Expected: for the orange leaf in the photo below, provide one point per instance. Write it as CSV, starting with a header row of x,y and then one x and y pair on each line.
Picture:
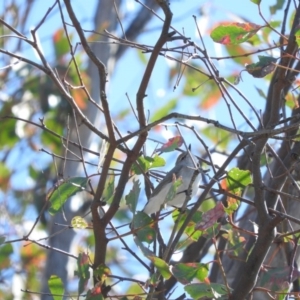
x,y
211,99
224,184
80,98
58,35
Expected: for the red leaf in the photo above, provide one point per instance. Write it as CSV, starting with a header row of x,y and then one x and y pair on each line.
x,y
58,35
225,40
83,259
96,291
172,144
210,217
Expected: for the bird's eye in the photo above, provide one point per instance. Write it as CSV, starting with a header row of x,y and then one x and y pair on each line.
x,y
182,157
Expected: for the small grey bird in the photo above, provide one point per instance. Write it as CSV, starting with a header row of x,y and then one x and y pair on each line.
x,y
184,168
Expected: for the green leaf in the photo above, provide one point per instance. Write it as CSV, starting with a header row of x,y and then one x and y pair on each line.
x,y
200,290
146,163
192,81
190,228
207,205
4,177
34,173
237,179
196,80
144,227
163,111
256,1
279,5
133,289
154,279
101,272
109,189
190,231
82,271
161,266
123,113
236,242
8,137
186,272
65,191
142,166
5,251
48,139
157,162
79,222
263,67
297,36
220,138
232,205
176,183
212,232
56,287
275,278
133,196
234,33
179,217
61,44
142,57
